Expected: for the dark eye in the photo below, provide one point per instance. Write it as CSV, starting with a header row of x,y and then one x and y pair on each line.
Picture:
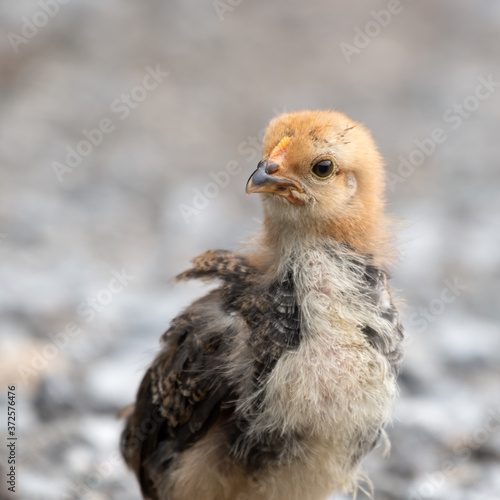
x,y
323,169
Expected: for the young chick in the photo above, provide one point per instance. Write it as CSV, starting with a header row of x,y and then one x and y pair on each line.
x,y
277,383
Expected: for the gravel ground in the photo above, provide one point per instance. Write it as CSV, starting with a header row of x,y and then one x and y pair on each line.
x,y
75,215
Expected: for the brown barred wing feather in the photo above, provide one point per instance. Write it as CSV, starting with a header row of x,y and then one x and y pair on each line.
x,y
180,396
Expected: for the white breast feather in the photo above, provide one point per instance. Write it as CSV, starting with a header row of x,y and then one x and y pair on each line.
x,y
335,388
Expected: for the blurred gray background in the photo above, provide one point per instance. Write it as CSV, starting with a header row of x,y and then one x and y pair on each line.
x,y
90,234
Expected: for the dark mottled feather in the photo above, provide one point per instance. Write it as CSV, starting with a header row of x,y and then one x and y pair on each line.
x,y
179,398
390,345
185,386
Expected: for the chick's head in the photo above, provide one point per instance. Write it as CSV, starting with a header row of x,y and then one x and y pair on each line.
x,y
321,172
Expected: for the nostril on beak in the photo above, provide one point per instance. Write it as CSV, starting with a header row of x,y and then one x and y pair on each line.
x,y
271,168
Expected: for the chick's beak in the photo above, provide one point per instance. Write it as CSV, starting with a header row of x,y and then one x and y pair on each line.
x,y
263,180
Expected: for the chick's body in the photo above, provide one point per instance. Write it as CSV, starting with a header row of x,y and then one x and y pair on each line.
x,y
277,383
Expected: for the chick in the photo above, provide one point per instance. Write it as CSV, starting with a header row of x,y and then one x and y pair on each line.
x,y
277,383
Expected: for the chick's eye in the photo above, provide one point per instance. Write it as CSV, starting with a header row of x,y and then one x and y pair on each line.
x,y
323,169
